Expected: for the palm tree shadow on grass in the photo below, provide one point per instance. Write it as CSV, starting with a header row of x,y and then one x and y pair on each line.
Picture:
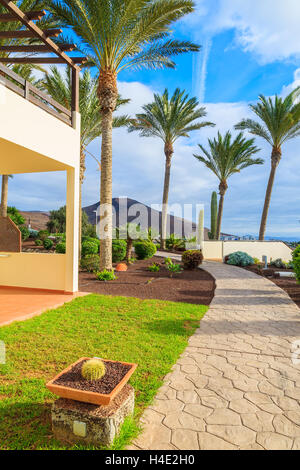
x,y
172,327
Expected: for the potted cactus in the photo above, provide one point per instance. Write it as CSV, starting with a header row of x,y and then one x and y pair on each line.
x,y
92,380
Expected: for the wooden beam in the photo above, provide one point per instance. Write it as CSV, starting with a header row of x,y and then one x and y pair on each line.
x,y
31,15
40,60
36,48
38,33
29,34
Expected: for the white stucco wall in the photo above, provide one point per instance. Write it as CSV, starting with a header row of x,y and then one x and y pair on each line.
x,y
256,249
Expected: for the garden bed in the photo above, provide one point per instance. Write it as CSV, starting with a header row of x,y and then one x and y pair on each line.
x,y
289,285
194,287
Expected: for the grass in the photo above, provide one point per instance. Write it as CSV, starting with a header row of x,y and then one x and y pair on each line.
x,y
151,333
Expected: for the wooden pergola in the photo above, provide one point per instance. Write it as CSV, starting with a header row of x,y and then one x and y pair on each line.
x,y
46,45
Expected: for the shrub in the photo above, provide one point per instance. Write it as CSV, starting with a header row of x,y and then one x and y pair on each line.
x,y
173,268
90,263
91,239
118,250
61,248
106,275
15,216
38,242
43,234
154,268
144,249
296,252
92,370
256,261
48,244
279,263
175,243
240,258
33,233
24,232
89,248
297,268
192,259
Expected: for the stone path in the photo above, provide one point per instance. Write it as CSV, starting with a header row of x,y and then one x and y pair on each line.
x,y
235,385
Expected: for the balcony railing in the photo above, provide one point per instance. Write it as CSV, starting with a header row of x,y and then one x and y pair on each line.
x,y
28,91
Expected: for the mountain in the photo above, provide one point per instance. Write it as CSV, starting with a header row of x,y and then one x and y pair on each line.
x,y
36,219
150,217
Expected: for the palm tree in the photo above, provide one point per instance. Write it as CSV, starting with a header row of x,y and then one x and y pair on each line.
x,y
280,122
225,158
117,35
168,119
59,87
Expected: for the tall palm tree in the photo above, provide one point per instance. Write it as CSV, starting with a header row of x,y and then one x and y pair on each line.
x,y
59,87
169,118
119,35
280,122
225,158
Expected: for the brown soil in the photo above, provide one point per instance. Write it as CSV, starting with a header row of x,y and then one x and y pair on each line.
x,y
115,371
290,286
195,287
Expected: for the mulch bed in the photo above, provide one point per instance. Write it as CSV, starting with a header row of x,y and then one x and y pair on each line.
x,y
194,287
289,285
115,371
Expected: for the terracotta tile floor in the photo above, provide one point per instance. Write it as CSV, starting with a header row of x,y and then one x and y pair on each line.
x,y
19,303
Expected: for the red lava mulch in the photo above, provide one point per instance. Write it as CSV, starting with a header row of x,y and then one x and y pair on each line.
x,y
289,285
194,287
115,371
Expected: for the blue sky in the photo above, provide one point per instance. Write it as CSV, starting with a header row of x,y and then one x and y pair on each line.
x,y
249,47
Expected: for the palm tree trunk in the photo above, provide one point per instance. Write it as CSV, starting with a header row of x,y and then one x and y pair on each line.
x,y
223,188
275,159
4,196
108,94
129,249
168,153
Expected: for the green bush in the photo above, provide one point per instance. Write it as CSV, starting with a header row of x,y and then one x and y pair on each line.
x,y
144,249
173,268
61,248
175,243
43,234
33,233
89,248
296,252
106,275
91,239
48,244
279,263
192,259
297,268
15,216
239,258
118,250
154,268
24,232
90,263
38,242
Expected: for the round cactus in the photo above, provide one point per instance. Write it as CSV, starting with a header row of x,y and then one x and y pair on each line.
x,y
93,369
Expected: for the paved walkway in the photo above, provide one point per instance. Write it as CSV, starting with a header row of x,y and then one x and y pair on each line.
x,y
235,386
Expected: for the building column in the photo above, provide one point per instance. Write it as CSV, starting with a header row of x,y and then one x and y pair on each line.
x,y
72,230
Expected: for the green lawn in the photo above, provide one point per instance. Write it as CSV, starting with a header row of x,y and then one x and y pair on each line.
x,y
151,333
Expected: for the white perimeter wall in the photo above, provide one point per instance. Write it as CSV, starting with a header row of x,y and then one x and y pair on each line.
x,y
256,249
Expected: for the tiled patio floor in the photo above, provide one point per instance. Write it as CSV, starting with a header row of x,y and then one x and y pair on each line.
x,y
19,304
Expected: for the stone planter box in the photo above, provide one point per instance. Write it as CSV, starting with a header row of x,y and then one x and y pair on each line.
x,y
75,422
86,396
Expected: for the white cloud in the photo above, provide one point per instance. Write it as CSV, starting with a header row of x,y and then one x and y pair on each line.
x,y
267,28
